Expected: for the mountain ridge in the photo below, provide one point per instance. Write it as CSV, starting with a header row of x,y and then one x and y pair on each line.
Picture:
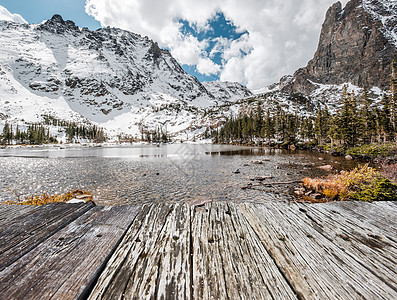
x,y
357,45
126,84
107,76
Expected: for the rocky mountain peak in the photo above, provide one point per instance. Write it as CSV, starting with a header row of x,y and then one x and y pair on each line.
x,y
57,19
357,45
58,25
333,13
118,79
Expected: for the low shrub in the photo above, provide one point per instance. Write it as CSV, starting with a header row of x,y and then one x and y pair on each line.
x,y
382,189
372,150
362,183
337,149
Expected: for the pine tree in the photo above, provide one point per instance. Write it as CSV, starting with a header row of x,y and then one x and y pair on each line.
x,y
291,129
279,124
393,96
334,132
367,119
18,135
306,130
321,125
386,128
7,134
258,123
349,121
268,127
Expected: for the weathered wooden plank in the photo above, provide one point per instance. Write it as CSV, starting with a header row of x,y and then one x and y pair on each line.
x,y
314,265
363,241
9,212
380,214
27,231
209,275
229,261
174,280
272,277
369,219
66,265
152,261
219,250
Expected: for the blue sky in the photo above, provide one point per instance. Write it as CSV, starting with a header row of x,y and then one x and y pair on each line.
x,y
253,42
35,11
219,28
38,10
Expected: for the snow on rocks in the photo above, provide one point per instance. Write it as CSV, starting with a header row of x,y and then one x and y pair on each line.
x,y
113,78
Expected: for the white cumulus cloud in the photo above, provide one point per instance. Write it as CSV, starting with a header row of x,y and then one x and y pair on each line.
x,y
5,15
280,37
207,67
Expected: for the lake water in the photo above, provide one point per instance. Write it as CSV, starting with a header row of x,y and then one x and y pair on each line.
x,y
165,173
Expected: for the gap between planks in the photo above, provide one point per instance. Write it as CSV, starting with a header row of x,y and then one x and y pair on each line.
x,y
66,264
246,251
219,250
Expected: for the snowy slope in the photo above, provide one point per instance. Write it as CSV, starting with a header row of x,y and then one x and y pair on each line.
x,y
227,91
117,79
384,11
305,93
323,95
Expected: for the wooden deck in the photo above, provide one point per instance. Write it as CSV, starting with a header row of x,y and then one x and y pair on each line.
x,y
221,250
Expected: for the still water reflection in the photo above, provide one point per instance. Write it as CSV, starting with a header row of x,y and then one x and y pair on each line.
x,y
165,173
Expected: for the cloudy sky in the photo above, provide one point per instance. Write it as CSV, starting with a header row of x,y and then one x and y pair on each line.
x,y
254,42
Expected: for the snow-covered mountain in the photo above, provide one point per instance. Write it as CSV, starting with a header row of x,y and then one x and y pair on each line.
x,y
357,46
227,91
125,83
117,79
384,11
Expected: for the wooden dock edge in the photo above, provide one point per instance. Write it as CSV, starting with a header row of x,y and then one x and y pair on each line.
x,y
223,250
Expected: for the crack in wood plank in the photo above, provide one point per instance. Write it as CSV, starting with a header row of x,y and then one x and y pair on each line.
x,y
220,250
27,231
51,270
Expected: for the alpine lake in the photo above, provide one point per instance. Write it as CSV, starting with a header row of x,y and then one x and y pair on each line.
x,y
136,174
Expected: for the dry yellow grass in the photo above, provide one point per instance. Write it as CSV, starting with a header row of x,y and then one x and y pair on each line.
x,y
46,198
342,186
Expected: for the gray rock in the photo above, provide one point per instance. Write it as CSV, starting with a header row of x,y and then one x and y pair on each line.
x,y
353,47
326,167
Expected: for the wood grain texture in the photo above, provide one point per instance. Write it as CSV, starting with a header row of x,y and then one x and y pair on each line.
x,y
229,261
381,214
366,243
215,250
179,252
314,264
152,261
25,232
66,265
9,212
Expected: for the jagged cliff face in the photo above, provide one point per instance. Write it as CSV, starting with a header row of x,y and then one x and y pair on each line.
x,y
357,45
116,78
106,70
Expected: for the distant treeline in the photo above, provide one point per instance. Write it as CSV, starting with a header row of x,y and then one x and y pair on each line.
x,y
39,133
357,122
157,135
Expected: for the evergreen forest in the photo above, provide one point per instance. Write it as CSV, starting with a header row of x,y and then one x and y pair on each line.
x,y
39,133
358,121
